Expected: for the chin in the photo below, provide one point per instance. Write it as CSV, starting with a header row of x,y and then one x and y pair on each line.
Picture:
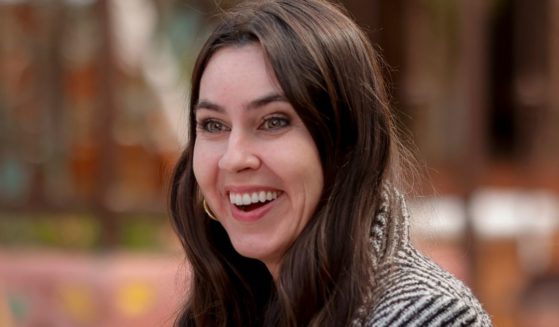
x,y
249,252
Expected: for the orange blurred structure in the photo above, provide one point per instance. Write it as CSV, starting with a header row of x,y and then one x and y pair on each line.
x,y
92,102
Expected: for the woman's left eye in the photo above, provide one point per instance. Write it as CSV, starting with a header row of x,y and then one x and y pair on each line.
x,y
274,123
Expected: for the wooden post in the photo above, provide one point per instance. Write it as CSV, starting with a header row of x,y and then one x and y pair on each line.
x,y
472,74
106,112
553,85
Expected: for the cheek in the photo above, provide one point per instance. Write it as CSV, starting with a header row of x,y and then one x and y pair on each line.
x,y
298,164
315,178
202,166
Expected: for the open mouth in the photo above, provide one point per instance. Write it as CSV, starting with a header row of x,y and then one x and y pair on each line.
x,y
252,201
251,207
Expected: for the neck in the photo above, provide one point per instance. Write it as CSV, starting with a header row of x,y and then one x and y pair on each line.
x,y
273,268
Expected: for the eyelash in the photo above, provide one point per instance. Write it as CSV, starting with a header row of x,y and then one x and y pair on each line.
x,y
213,126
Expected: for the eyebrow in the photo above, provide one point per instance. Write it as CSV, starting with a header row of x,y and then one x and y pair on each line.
x,y
254,104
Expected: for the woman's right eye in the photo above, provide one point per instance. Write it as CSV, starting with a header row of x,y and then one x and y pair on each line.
x,y
212,126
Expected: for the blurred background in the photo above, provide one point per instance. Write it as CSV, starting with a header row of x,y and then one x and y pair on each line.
x,y
92,118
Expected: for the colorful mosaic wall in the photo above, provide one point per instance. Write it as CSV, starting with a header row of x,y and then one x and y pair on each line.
x,y
53,289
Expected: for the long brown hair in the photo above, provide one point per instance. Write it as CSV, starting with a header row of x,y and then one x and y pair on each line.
x,y
332,77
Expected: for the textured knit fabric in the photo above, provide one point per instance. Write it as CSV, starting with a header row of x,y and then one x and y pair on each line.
x,y
410,290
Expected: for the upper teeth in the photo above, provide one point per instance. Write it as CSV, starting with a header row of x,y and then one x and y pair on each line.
x,y
241,199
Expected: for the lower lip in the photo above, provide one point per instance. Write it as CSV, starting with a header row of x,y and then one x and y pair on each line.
x,y
253,215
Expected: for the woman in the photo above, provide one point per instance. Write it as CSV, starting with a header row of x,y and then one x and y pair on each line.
x,y
283,199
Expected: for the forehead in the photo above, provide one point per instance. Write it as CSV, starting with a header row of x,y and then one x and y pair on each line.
x,y
238,72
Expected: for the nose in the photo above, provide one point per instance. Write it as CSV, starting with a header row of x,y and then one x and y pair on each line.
x,y
239,154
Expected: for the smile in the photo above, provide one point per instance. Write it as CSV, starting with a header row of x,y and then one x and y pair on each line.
x,y
252,200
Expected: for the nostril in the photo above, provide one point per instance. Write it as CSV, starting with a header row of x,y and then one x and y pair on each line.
x,y
239,159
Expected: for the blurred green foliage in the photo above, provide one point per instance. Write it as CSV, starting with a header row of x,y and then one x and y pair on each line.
x,y
143,233
81,231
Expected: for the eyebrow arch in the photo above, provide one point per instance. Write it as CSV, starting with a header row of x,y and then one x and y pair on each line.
x,y
254,104
267,99
205,104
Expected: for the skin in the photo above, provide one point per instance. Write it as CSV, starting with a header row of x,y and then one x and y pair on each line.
x,y
249,139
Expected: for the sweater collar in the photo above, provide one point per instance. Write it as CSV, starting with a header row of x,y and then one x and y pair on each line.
x,y
390,229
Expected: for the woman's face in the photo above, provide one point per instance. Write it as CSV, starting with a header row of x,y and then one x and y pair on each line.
x,y
254,160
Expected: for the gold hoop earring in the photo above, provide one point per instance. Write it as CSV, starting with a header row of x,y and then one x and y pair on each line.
x,y
208,211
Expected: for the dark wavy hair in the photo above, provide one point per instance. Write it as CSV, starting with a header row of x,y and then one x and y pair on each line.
x,y
331,75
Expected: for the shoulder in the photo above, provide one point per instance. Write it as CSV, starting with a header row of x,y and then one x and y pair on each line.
x,y
414,291
409,289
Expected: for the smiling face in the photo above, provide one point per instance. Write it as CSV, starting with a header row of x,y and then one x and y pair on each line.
x,y
254,160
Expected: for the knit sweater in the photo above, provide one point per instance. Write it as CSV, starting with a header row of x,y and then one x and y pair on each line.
x,y
411,290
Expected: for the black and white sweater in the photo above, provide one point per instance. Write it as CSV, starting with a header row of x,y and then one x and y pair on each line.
x,y
410,289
